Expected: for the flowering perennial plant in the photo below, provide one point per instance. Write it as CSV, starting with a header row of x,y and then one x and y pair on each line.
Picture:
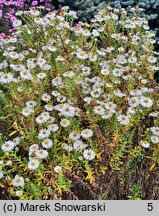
x,y
82,102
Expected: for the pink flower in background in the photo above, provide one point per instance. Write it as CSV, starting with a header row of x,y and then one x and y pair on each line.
x,y
12,11
48,8
7,3
7,16
9,7
34,3
2,35
1,13
12,18
78,26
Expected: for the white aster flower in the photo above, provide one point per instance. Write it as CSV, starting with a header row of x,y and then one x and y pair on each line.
x,y
41,119
53,127
155,139
108,114
42,154
57,81
122,59
74,135
64,123
69,74
117,72
60,58
78,145
17,23
41,61
27,111
47,143
34,12
8,146
89,154
134,101
86,133
151,59
155,130
41,75
58,169
55,93
146,102
33,164
145,144
18,181
34,147
26,75
16,140
86,70
123,119
43,133
95,33
61,98
52,48
154,114
31,104
110,106
49,107
99,110
92,58
19,13
6,78
38,20
19,193
51,120
105,71
68,111
136,92
46,97
132,59
131,111
82,55
95,93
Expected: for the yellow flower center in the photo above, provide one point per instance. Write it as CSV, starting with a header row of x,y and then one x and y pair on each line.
x,y
7,145
17,180
6,77
25,73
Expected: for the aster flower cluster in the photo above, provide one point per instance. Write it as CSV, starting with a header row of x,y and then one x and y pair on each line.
x,y
8,10
77,92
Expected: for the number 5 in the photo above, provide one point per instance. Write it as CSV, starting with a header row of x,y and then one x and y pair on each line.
x,y
150,206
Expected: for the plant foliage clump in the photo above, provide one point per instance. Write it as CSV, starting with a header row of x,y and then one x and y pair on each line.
x,y
82,107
